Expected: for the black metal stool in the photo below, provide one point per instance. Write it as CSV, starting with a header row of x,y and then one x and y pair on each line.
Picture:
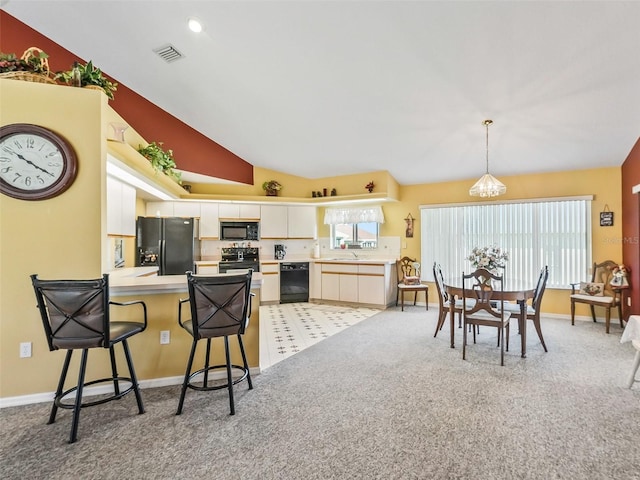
x,y
220,307
75,315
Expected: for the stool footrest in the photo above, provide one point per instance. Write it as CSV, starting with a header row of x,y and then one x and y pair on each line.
x,y
206,388
59,400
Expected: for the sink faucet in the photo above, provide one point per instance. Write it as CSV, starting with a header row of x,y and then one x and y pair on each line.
x,y
354,254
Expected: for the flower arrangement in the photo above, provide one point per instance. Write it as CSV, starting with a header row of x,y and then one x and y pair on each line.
x,y
272,187
369,186
490,258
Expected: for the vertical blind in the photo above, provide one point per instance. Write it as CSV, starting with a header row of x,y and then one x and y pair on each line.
x,y
552,232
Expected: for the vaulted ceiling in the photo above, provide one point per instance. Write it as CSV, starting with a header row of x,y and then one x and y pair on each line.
x,y
321,88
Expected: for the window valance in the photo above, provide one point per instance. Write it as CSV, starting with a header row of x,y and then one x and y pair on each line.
x,y
339,216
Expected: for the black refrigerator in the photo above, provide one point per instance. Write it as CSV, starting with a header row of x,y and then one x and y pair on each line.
x,y
165,242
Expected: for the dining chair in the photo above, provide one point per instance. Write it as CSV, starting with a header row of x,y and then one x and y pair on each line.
x,y
76,316
483,304
409,281
444,300
532,311
220,306
598,293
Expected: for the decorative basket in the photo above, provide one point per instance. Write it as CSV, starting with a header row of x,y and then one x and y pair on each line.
x,y
27,56
28,77
94,87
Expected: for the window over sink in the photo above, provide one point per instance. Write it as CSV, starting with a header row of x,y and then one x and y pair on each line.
x,y
354,228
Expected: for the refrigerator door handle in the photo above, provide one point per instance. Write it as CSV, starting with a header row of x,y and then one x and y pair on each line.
x,y
161,263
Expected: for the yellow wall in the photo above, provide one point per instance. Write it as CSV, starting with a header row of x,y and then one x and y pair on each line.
x,y
56,238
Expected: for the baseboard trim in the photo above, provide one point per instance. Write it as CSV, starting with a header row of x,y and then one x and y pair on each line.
x,y
46,397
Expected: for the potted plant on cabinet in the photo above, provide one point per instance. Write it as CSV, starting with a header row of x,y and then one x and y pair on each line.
x,y
161,160
272,187
89,76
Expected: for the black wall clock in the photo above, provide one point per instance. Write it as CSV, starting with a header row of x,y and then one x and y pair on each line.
x,y
35,162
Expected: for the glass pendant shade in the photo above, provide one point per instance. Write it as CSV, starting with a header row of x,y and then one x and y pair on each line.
x,y
488,185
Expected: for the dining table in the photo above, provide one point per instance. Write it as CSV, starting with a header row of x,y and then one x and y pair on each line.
x,y
514,290
631,334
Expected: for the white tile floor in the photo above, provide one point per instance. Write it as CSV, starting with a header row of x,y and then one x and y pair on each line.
x,y
289,328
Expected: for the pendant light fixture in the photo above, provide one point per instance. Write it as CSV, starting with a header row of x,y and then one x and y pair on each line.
x,y
488,185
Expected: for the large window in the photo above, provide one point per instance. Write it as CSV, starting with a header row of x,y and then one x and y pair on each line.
x,y
553,232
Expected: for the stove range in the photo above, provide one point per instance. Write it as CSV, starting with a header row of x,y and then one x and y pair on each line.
x,y
236,258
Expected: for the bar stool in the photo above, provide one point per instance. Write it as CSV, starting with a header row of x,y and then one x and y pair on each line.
x,y
220,307
75,315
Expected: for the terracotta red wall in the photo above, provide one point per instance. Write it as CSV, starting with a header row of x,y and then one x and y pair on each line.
x,y
631,223
192,150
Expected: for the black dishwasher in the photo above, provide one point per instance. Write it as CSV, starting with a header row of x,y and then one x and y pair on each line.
x,y
294,282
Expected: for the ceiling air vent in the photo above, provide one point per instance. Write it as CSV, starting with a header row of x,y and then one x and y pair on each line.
x,y
168,53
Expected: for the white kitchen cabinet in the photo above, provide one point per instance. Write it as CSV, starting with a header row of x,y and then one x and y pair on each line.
x,y
273,221
186,209
315,281
245,211
121,208
159,209
340,282
209,220
301,221
270,291
355,282
371,284
207,268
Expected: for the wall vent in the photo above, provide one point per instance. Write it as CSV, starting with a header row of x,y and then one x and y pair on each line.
x,y
168,53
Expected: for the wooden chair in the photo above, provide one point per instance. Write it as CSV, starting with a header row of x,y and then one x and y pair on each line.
x,y
409,280
481,291
598,293
443,300
533,310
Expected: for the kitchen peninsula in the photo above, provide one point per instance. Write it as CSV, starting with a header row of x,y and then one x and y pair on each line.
x,y
163,364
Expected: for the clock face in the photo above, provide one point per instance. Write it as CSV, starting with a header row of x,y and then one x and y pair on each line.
x,y
35,163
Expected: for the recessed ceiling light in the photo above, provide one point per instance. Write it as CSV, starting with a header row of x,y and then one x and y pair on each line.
x,y
194,25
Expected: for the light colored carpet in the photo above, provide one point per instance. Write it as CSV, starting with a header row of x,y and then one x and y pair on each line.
x,y
382,399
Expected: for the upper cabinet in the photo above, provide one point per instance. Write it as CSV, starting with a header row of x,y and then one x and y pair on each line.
x,y
209,223
121,208
245,211
273,221
301,221
159,209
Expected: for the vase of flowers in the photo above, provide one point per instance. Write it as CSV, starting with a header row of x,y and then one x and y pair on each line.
x,y
490,258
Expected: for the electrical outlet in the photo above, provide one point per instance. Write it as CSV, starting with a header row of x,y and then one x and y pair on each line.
x,y
165,337
628,301
25,350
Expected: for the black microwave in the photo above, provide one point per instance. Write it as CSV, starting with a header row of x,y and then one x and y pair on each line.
x,y
239,231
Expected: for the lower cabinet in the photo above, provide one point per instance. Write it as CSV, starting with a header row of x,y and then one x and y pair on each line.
x,y
207,269
356,283
270,291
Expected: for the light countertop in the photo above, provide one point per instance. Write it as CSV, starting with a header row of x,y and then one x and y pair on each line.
x,y
138,285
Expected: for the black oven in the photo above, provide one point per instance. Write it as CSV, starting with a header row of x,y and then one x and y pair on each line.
x,y
239,258
294,282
